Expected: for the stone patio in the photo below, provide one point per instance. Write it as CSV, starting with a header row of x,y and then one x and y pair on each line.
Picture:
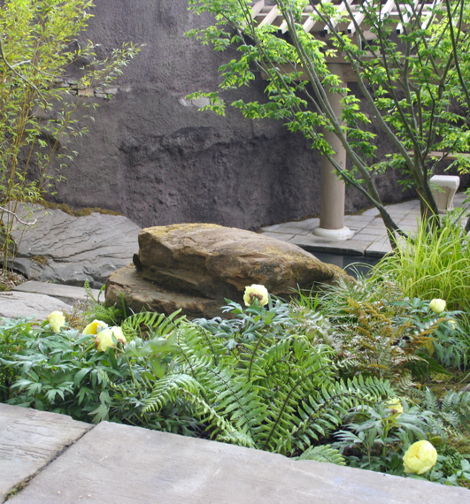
x,y
370,237
47,458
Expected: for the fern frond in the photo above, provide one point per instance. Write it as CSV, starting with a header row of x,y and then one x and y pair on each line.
x,y
148,325
233,396
223,430
169,389
323,453
324,412
304,380
453,409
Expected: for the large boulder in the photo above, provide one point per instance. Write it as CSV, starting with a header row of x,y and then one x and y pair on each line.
x,y
197,267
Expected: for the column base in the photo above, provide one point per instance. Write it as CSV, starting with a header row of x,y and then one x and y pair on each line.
x,y
334,234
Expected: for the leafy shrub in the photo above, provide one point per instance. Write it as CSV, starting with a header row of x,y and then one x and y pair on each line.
x,y
63,373
378,436
284,378
377,331
40,112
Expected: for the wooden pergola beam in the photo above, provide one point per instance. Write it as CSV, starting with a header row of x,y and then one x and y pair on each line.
x,y
270,14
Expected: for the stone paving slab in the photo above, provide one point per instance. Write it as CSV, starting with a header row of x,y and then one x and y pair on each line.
x,y
379,249
311,240
67,293
29,440
295,230
370,236
282,236
118,464
23,304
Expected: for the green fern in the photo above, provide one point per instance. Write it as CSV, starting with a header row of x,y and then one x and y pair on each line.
x,y
453,409
112,315
148,325
323,453
382,340
274,394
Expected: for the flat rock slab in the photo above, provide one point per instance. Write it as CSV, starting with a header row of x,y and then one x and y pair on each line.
x,y
118,464
22,304
29,440
66,293
71,249
141,295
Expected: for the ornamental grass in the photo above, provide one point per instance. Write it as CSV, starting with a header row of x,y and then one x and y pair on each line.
x,y
431,265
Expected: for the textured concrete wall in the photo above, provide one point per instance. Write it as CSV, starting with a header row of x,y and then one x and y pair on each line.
x,y
155,158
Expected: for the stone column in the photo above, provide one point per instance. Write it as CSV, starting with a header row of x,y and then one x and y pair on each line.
x,y
333,188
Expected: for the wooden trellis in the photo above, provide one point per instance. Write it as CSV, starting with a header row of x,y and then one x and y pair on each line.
x,y
270,14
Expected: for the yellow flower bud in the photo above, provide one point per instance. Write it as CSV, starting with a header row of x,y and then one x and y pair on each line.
x,y
254,292
420,457
437,305
93,327
453,324
104,339
395,405
56,320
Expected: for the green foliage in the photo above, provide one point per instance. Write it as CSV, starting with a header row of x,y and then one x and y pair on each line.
x,y
95,310
265,378
377,332
453,471
411,77
270,391
379,345
453,409
375,440
431,265
449,346
322,453
379,437
147,325
279,319
454,468
38,119
63,373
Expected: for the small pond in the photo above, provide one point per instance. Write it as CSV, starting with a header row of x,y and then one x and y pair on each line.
x,y
349,262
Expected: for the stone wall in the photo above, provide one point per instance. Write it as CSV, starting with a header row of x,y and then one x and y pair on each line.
x,y
152,156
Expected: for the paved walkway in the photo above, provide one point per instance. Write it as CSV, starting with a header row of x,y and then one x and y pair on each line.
x,y
370,238
47,458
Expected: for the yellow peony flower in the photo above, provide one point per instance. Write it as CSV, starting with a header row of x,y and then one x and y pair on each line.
x,y
104,339
93,327
56,320
258,292
420,457
437,305
453,324
395,405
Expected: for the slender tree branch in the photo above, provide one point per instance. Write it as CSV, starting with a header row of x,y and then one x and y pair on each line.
x,y
15,215
21,76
